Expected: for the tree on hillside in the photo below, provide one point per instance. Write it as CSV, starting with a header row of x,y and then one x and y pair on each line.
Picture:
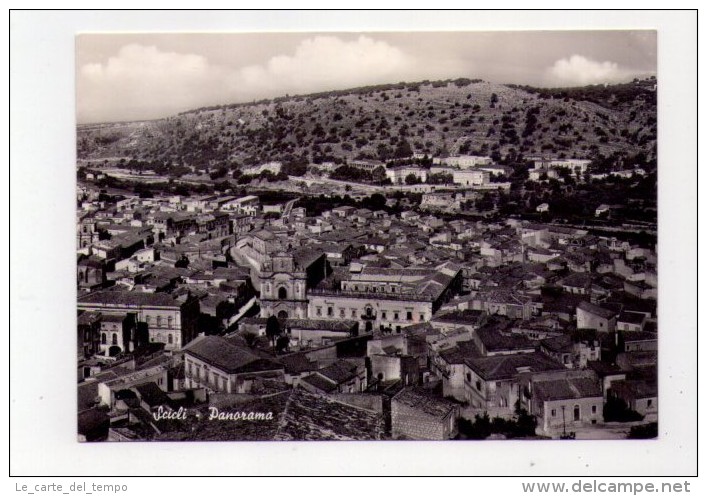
x,y
383,152
374,202
412,179
403,149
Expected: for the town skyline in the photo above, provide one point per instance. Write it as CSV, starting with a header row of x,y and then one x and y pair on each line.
x,y
444,260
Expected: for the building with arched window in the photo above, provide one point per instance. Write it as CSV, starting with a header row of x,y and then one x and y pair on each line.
x,y
284,280
385,298
214,363
156,317
563,402
116,332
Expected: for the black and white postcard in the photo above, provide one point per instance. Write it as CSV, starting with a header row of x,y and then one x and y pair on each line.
x,y
461,246
424,236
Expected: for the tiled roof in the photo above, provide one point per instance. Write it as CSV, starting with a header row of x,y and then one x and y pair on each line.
x,y
297,363
504,367
151,394
128,298
223,355
88,318
638,388
495,341
424,401
631,317
558,343
568,388
320,383
463,350
339,372
596,310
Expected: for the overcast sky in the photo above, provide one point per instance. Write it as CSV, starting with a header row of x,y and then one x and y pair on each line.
x,y
145,76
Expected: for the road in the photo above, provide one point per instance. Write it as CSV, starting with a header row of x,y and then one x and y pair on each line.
x,y
610,430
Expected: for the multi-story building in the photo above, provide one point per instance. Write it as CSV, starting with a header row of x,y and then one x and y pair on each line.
x,y
214,363
88,327
471,177
249,205
158,317
283,281
463,161
398,175
417,414
387,298
87,233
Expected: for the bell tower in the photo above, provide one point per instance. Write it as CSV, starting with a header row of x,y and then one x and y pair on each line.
x,y
283,288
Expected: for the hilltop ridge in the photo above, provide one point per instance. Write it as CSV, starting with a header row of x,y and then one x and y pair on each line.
x,y
461,116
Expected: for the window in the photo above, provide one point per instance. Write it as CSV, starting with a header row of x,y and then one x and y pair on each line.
x,y
478,385
103,338
468,377
594,409
422,317
409,315
330,311
170,338
319,311
159,321
342,313
282,293
383,315
576,413
649,403
115,339
353,313
396,316
553,412
148,319
169,321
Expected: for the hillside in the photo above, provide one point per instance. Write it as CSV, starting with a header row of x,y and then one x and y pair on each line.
x,y
457,117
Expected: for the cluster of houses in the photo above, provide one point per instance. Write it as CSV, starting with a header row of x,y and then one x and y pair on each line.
x,y
402,323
